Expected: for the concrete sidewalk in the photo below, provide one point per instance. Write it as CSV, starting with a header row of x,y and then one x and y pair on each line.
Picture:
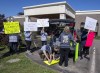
x,y
81,66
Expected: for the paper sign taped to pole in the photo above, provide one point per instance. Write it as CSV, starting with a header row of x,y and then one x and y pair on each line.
x,y
90,23
11,27
43,22
30,26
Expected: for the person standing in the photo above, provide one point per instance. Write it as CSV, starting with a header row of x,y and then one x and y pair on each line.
x,y
28,40
65,38
13,43
83,42
88,44
44,37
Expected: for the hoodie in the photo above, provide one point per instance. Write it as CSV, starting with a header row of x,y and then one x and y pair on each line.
x,y
65,39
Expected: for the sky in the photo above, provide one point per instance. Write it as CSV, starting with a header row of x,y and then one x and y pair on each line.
x,y
13,7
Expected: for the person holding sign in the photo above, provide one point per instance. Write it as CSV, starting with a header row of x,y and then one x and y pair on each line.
x,y
28,40
12,28
13,42
65,38
90,26
88,44
43,37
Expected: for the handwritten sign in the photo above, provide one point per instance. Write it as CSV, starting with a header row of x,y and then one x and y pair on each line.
x,y
43,22
90,23
11,27
30,26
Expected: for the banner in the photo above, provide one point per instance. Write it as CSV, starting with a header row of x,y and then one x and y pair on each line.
x,y
76,51
30,26
90,23
43,22
11,27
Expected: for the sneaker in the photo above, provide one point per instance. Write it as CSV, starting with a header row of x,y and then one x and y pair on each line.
x,y
87,57
65,67
60,67
27,51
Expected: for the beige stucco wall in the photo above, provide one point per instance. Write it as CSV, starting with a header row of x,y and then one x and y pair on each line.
x,y
81,18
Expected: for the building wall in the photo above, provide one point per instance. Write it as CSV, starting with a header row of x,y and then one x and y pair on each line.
x,y
81,18
21,20
50,8
45,10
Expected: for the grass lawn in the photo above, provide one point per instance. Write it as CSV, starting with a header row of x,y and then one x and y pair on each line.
x,y
24,65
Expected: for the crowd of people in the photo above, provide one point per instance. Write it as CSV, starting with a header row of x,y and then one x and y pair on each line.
x,y
61,49
58,48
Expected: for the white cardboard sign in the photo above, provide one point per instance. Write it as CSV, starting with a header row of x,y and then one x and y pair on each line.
x,y
30,26
43,22
90,23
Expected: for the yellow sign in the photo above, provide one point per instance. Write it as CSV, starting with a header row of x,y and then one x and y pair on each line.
x,y
11,27
52,62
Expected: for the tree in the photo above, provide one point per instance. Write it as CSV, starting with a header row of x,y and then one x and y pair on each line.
x,y
2,19
3,37
20,13
2,16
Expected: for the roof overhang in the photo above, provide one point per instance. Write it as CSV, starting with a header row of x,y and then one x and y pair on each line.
x,y
88,12
50,8
19,16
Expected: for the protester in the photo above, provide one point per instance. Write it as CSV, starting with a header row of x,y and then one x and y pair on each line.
x,y
28,40
46,53
13,43
20,40
88,44
52,40
43,37
35,41
56,52
65,38
83,42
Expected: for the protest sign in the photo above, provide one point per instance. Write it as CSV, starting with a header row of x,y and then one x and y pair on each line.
x,y
76,51
11,27
30,26
90,23
43,22
52,62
